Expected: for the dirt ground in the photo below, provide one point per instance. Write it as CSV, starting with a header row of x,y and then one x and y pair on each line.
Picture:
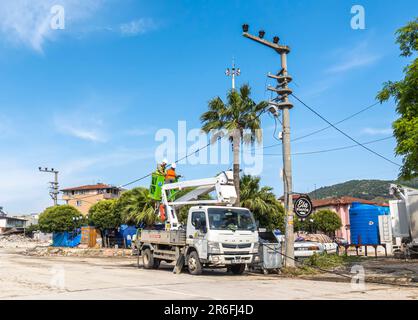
x,y
71,277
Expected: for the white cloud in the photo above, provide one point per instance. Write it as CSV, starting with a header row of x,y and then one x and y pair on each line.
x,y
100,162
82,133
27,22
355,57
377,131
82,126
139,26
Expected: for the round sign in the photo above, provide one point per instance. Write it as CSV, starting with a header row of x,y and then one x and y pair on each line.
x,y
303,206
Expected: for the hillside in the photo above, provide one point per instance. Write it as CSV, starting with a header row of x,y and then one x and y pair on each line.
x,y
376,190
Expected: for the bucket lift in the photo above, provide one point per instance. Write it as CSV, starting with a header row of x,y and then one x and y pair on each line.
x,y
222,185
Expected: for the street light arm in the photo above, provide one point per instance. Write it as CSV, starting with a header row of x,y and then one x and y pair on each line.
x,y
277,47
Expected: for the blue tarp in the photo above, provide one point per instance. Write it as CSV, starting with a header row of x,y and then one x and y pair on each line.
x,y
66,239
127,233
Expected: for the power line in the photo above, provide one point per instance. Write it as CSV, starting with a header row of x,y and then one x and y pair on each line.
x,y
329,150
341,274
185,157
345,119
345,134
149,174
325,128
275,129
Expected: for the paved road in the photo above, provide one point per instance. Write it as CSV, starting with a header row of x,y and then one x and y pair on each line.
x,y
25,277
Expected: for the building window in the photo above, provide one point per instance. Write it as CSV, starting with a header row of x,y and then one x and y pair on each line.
x,y
79,203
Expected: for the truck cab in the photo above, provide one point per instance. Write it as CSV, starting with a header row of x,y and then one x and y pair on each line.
x,y
221,236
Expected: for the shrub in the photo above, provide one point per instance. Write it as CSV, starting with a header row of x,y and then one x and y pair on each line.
x,y
59,219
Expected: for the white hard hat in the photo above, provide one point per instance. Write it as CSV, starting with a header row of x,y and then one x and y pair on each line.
x,y
173,165
165,160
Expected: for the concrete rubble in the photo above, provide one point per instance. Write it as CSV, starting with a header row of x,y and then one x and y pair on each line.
x,y
81,252
19,241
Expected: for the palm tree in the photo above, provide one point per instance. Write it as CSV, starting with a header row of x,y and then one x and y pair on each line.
x,y
136,206
238,115
262,203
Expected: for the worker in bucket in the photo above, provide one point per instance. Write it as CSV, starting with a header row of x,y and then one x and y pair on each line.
x,y
161,167
171,175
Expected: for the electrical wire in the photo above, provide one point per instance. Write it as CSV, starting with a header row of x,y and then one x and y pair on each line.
x,y
345,134
338,122
337,273
327,150
149,174
275,129
325,128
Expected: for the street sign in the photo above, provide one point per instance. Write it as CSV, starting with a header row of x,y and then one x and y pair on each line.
x,y
303,206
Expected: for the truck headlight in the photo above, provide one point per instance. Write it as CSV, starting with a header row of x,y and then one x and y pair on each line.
x,y
256,247
213,247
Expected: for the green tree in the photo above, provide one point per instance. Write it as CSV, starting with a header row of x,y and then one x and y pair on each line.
x,y
104,215
60,218
136,206
326,221
239,115
262,202
306,224
405,94
31,229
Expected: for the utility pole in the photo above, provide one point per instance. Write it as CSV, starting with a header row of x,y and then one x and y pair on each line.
x,y
233,73
282,103
54,184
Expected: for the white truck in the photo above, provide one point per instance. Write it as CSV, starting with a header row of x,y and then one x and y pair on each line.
x,y
404,213
216,235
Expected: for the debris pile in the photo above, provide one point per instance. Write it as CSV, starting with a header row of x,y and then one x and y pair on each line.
x,y
13,241
80,252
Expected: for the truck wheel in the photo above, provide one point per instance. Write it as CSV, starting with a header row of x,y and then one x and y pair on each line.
x,y
147,259
193,263
237,268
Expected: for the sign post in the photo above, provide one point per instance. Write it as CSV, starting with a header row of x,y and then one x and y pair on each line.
x,y
303,206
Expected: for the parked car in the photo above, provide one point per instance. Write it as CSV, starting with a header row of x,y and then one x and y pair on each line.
x,y
307,245
341,241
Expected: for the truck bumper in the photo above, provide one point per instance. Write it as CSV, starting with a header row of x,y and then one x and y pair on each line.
x,y
220,259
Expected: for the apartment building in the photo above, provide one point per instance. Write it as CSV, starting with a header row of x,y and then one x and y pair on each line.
x,y
83,197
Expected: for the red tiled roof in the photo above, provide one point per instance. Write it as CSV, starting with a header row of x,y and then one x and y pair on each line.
x,y
98,186
317,203
338,201
295,196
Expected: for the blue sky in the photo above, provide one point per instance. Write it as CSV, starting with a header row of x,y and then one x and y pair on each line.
x,y
89,99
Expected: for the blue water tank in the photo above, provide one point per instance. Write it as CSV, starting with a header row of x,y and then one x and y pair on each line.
x,y
364,223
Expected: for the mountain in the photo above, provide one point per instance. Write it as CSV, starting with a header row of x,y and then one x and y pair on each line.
x,y
376,190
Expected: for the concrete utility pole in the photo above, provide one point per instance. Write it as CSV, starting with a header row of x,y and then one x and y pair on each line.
x,y
54,184
281,102
233,73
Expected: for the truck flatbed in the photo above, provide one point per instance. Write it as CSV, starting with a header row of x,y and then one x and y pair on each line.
x,y
172,237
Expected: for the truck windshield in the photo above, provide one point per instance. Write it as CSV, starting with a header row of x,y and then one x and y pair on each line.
x,y
230,219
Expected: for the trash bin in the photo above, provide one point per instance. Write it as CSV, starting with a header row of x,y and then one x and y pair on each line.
x,y
269,252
